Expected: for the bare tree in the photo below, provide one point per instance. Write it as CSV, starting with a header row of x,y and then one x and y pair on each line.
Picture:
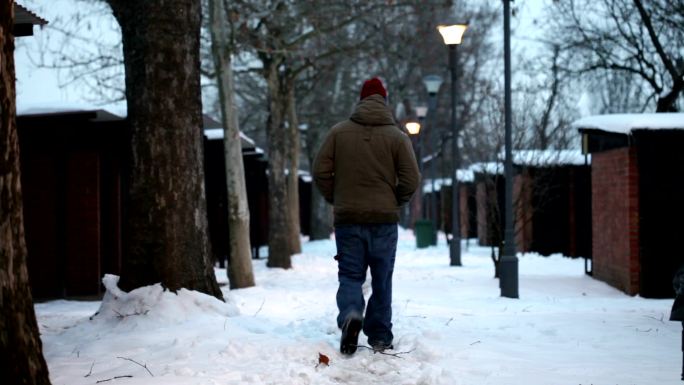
x,y
642,39
240,272
543,102
166,238
281,35
85,50
21,356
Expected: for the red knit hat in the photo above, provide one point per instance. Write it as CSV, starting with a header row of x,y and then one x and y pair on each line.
x,y
371,87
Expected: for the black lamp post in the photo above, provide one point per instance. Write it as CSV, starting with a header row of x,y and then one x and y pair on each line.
x,y
508,264
432,85
452,35
413,129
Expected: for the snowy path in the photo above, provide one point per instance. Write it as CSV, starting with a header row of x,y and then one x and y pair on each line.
x,y
565,329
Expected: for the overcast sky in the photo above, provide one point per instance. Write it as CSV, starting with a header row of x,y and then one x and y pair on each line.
x,y
40,88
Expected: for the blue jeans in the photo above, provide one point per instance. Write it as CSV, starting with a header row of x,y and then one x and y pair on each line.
x,y
360,247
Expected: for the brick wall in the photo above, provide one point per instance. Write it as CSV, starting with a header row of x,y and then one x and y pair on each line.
x,y
615,210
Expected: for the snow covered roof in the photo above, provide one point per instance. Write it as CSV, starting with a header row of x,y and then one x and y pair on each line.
x,y
626,123
464,176
90,113
247,142
492,168
63,107
541,158
213,130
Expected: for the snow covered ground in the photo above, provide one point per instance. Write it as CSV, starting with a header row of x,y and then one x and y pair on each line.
x,y
451,327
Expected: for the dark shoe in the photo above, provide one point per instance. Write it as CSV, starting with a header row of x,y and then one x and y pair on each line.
x,y
379,347
350,334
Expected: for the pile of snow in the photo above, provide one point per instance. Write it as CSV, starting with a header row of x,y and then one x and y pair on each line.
x,y
451,326
157,305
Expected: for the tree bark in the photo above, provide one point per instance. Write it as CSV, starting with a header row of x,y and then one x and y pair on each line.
x,y
166,238
21,352
279,245
240,274
293,176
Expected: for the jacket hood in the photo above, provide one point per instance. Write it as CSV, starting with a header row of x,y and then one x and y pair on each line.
x,y
372,111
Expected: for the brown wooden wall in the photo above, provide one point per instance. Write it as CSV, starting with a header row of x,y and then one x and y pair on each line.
x,y
71,168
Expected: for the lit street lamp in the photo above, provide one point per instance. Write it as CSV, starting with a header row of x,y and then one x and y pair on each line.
x,y
508,264
432,85
413,128
452,35
416,210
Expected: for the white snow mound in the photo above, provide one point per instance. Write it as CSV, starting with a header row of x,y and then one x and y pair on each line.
x,y
157,305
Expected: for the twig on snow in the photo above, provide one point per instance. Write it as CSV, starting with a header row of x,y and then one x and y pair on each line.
x,y
91,370
260,307
122,316
138,363
449,321
475,343
114,378
387,354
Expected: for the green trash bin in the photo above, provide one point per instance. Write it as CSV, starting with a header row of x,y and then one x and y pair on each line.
x,y
425,233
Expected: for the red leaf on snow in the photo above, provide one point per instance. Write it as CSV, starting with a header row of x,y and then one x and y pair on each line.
x,y
323,359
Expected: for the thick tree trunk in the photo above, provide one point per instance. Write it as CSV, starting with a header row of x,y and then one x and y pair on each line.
x,y
279,245
166,238
21,355
240,274
293,178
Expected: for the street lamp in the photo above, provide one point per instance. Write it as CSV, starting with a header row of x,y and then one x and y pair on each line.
x,y
432,85
413,128
508,264
416,210
452,35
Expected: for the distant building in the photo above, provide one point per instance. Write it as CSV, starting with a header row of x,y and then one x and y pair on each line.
x,y
552,200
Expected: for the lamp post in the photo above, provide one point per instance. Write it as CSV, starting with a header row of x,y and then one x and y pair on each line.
x,y
421,112
452,35
432,85
413,129
508,264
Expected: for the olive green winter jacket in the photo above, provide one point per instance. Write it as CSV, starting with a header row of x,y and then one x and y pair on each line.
x,y
366,166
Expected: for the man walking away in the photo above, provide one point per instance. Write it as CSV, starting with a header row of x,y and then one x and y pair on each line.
x,y
366,169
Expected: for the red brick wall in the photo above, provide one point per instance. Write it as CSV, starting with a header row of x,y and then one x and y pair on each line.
x,y
615,210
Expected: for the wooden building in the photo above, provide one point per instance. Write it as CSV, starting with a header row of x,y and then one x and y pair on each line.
x,y
256,165
72,176
552,200
217,194
468,204
73,166
637,185
24,20
489,196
